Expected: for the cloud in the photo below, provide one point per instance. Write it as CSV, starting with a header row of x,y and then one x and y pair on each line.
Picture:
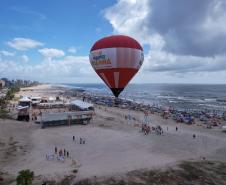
x,y
25,58
24,44
51,52
7,53
129,17
67,69
72,50
168,62
183,36
190,27
26,10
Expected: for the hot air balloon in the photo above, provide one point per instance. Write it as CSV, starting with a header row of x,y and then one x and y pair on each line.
x,y
116,59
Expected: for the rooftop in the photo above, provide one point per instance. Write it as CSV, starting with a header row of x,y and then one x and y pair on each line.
x,y
81,104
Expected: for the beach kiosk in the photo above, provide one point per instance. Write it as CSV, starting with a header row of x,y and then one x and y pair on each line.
x,y
24,101
23,109
35,100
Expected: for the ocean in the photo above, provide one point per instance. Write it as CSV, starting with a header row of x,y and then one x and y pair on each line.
x,y
178,96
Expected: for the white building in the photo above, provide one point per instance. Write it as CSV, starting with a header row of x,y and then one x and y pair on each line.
x,y
2,84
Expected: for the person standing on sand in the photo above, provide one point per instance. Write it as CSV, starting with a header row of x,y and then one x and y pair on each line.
x,y
55,150
64,152
67,154
176,129
60,152
73,138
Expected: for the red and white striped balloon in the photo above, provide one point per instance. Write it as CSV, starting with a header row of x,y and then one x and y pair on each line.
x,y
116,59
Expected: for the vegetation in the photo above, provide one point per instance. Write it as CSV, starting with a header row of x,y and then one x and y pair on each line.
x,y
9,96
25,177
3,102
187,173
4,114
13,87
11,92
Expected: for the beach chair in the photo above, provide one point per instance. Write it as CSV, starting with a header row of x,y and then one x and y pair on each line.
x,y
62,159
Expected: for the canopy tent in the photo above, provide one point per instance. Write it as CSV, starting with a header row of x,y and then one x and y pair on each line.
x,y
82,105
22,107
25,99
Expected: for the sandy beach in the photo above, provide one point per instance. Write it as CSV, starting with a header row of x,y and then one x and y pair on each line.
x,y
113,145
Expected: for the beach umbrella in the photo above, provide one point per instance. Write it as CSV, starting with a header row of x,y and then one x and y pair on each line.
x,y
116,59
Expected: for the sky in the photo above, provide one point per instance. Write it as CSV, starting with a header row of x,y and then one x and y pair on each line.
x,y
50,40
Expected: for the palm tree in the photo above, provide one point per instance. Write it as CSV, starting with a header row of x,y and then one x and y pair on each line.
x,y
25,177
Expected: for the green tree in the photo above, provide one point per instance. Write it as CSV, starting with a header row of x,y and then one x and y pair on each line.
x,y
3,103
25,177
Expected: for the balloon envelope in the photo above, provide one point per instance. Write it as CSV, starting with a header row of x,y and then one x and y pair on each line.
x,y
116,59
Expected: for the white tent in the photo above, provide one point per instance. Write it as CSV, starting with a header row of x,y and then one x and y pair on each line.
x,y
82,105
25,99
51,99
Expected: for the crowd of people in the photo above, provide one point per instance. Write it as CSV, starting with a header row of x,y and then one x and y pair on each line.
x,y
59,154
188,116
146,129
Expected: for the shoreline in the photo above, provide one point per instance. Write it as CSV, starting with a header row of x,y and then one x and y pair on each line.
x,y
210,117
